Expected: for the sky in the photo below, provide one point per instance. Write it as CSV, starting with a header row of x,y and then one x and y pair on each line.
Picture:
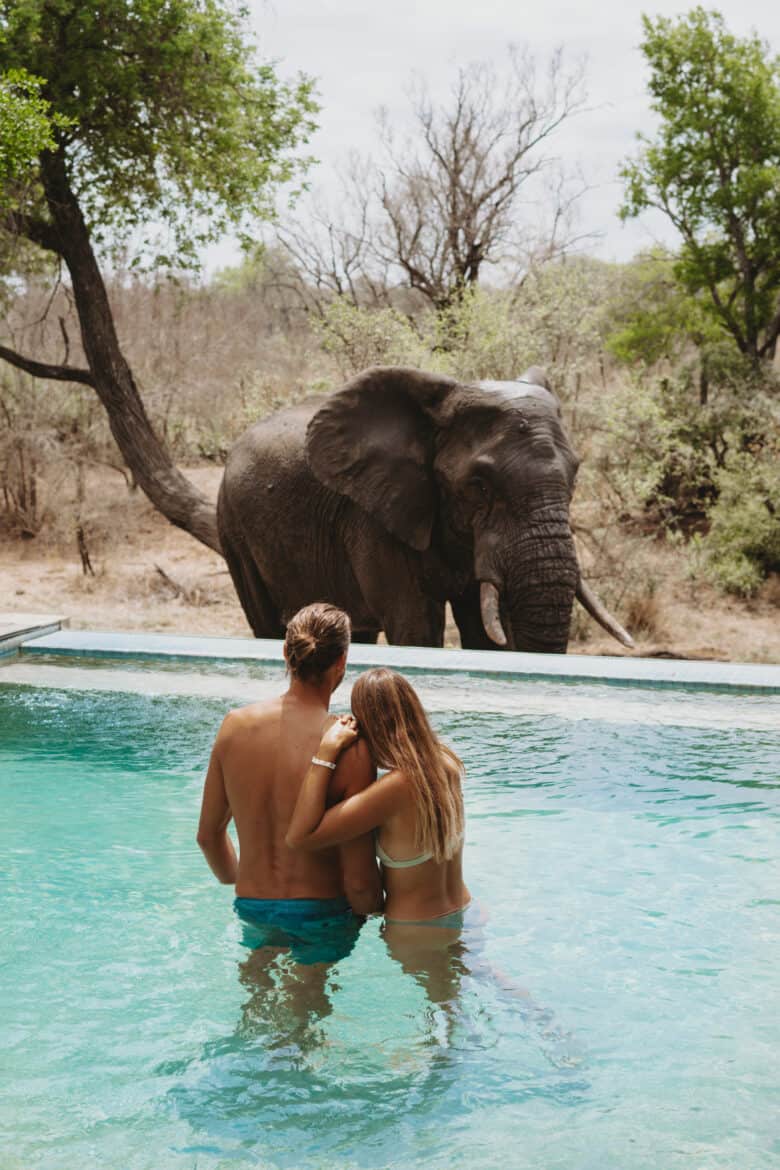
x,y
363,55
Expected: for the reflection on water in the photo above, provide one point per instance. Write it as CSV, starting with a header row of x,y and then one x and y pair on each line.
x,y
621,992
508,697
287,1000
441,1031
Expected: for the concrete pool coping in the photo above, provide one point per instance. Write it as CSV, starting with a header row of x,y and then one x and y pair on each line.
x,y
17,628
632,671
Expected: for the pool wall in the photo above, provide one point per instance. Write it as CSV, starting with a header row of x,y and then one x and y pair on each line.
x,y
50,639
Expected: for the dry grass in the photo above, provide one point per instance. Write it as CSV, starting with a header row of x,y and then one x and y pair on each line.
x,y
769,593
642,612
127,540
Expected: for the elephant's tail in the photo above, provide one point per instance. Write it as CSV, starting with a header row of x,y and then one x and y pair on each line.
x,y
261,613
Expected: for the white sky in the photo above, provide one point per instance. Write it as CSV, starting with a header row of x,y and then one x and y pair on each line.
x,y
363,53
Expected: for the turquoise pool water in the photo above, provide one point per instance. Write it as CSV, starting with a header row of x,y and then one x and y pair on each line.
x,y
618,1007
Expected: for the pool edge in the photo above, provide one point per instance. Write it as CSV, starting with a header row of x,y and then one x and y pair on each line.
x,y
632,671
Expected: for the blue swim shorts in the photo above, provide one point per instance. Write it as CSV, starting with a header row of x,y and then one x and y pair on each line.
x,y
316,930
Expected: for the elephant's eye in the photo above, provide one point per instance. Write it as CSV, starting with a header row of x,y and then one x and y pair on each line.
x,y
479,487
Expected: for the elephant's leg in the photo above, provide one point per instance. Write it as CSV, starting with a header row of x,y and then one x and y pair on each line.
x,y
369,636
415,620
468,619
389,577
261,613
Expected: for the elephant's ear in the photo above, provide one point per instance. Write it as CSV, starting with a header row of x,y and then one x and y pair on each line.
x,y
373,442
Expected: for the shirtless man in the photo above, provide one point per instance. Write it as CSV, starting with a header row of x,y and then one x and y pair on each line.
x,y
306,902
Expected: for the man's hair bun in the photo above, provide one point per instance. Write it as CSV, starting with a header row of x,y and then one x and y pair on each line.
x,y
316,637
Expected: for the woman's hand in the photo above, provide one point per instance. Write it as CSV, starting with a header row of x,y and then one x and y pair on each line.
x,y
339,735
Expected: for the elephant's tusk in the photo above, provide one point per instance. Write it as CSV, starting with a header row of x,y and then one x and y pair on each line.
x,y
489,607
587,598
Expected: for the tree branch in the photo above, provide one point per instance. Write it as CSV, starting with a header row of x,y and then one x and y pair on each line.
x,y
767,350
33,228
43,370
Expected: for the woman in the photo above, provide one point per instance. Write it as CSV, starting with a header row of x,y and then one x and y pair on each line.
x,y
416,813
415,809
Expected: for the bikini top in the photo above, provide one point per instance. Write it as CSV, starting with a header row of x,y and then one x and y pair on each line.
x,y
389,863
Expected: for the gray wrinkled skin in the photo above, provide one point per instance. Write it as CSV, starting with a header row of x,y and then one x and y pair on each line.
x,y
403,491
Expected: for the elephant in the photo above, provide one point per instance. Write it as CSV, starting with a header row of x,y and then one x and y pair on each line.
x,y
400,492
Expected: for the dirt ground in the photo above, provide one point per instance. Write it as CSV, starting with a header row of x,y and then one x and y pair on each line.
x,y
149,575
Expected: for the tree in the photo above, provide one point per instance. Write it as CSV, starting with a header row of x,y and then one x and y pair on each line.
x,y
158,115
443,202
25,127
653,317
713,169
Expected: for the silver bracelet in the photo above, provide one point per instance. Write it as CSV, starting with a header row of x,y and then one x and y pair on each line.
x,y
324,763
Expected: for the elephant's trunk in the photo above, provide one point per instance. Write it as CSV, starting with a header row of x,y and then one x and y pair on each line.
x,y
527,594
539,613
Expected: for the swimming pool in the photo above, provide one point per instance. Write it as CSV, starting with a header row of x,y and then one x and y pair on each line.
x,y
618,1007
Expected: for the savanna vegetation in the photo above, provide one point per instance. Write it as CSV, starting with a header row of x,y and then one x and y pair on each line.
x,y
123,361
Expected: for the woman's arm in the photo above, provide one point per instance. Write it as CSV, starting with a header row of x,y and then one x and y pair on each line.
x,y
312,827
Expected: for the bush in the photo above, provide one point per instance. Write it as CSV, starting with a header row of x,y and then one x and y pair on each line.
x,y
662,451
552,319
49,432
742,547
357,338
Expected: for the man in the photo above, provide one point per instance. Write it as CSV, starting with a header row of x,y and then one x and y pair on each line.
x,y
306,902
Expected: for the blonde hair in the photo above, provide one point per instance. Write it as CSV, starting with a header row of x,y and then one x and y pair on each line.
x,y
316,636
398,735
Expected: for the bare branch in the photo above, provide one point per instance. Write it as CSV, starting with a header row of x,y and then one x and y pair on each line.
x,y
43,370
450,197
444,201
37,230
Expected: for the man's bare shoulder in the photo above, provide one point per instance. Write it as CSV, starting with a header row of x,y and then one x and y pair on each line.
x,y
239,720
356,770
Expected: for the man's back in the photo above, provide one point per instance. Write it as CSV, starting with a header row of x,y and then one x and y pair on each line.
x,y
258,763
264,751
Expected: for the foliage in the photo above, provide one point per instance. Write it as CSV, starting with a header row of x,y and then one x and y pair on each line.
x,y
713,169
663,454
162,113
25,125
553,319
357,338
743,544
651,315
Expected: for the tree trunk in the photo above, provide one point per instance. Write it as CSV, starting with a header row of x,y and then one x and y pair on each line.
x,y
704,382
146,457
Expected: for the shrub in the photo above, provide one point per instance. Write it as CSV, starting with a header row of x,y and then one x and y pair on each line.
x,y
553,319
661,450
742,546
357,338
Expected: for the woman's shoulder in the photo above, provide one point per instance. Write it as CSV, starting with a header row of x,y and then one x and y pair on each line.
x,y
451,761
398,781
396,777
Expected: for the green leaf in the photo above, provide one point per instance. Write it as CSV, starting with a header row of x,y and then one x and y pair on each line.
x,y
713,168
26,127
163,112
